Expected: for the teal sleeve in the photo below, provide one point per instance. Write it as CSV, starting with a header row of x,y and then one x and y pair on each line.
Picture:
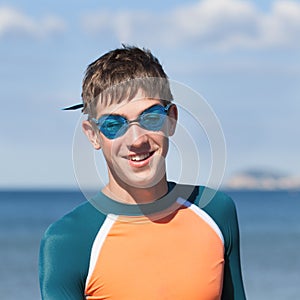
x,y
232,283
222,209
65,253
60,276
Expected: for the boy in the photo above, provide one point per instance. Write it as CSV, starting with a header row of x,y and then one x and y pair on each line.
x,y
141,237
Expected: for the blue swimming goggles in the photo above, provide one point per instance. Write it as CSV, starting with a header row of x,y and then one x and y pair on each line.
x,y
114,126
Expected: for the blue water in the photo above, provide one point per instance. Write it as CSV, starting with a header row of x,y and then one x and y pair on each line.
x,y
270,243
270,240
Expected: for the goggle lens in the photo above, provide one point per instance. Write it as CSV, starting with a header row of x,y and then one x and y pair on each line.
x,y
114,126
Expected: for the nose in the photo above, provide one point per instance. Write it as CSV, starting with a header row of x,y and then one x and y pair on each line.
x,y
136,136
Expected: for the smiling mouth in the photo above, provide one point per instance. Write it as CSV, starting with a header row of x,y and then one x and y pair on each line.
x,y
140,157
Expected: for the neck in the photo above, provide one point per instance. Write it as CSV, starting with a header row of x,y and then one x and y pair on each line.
x,y
132,195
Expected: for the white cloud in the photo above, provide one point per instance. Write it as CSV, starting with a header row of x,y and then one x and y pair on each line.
x,y
282,26
218,24
14,22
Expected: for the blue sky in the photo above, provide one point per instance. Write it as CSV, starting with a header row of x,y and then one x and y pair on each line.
x,y
242,56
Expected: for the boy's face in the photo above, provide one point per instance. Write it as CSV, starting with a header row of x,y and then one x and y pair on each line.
x,y
137,158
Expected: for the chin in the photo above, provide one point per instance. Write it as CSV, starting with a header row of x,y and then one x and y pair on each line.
x,y
148,176
145,180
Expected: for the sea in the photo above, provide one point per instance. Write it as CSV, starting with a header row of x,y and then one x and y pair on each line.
x,y
269,230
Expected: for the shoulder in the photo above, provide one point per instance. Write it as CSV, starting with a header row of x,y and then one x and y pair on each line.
x,y
211,200
65,252
77,224
76,230
66,245
214,202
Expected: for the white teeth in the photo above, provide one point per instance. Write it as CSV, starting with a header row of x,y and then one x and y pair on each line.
x,y
139,157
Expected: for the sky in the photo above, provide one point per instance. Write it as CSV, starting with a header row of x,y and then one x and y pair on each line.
x,y
241,56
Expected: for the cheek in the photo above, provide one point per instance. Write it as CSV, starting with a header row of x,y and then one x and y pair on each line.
x,y
163,141
166,146
110,148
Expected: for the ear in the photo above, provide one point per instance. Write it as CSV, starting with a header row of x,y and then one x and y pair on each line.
x,y
172,118
91,134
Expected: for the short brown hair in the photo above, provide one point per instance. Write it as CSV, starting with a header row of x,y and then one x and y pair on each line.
x,y
118,74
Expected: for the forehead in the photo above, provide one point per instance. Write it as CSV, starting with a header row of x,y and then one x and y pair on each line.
x,y
127,107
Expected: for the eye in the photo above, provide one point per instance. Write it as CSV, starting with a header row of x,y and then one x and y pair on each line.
x,y
112,125
152,121
152,118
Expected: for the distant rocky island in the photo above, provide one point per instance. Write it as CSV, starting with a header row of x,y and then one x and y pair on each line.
x,y
256,179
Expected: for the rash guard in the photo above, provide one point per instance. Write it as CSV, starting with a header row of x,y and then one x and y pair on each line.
x,y
182,246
